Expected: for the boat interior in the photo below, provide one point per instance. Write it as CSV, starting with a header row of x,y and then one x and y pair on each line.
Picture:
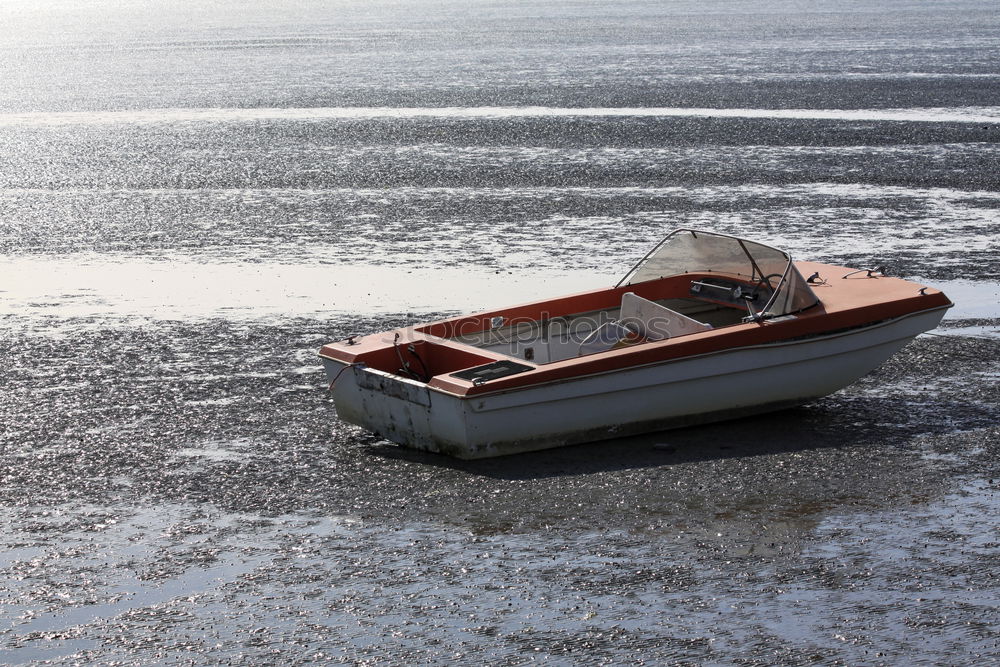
x,y
661,298
599,321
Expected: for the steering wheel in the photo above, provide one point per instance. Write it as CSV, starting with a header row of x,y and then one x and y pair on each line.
x,y
765,281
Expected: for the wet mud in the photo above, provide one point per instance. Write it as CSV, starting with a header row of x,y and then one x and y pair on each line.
x,y
184,492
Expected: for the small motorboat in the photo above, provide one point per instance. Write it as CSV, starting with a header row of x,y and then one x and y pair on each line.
x,y
705,327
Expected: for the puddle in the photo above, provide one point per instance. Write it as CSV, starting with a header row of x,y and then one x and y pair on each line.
x,y
118,571
125,289
973,299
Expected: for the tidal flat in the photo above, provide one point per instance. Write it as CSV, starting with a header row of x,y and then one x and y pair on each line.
x,y
194,200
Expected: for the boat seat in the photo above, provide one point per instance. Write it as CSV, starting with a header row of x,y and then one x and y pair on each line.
x,y
655,322
609,336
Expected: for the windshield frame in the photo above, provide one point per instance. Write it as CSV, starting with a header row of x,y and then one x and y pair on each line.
x,y
756,273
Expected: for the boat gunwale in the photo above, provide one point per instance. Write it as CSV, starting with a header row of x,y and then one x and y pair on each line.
x,y
785,342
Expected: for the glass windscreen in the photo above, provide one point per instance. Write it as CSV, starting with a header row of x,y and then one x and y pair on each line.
x,y
692,251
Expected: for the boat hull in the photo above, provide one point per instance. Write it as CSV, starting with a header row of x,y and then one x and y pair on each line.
x,y
698,389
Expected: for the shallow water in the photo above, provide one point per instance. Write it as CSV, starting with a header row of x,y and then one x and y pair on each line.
x,y
191,206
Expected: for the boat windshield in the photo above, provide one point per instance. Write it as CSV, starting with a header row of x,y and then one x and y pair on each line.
x,y
693,251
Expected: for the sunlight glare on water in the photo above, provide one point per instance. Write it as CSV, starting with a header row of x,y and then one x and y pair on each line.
x,y
120,290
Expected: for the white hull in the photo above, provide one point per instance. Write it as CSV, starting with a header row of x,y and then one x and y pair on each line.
x,y
680,392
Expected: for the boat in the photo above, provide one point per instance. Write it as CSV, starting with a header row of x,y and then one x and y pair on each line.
x,y
705,327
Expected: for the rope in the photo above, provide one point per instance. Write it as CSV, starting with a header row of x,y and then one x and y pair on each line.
x,y
337,376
